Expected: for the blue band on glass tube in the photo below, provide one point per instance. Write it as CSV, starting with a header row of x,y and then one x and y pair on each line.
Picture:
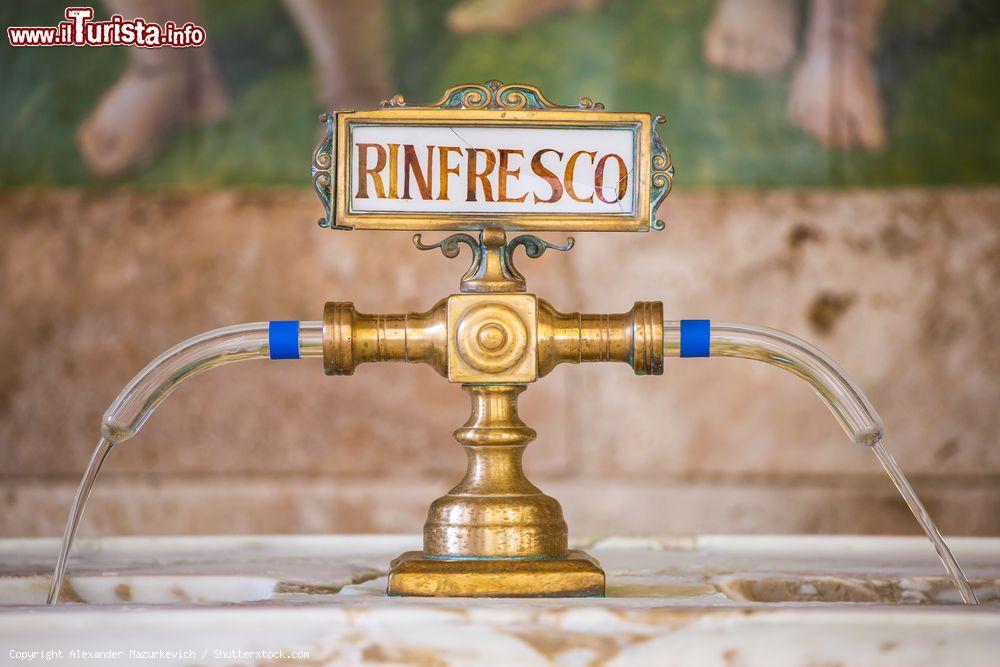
x,y
283,339
695,338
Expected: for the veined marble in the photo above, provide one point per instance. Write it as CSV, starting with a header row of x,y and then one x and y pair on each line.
x,y
707,600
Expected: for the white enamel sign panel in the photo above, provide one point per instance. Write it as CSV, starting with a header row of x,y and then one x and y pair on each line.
x,y
463,169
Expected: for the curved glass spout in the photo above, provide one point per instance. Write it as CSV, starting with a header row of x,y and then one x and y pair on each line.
x,y
844,398
144,392
850,406
242,342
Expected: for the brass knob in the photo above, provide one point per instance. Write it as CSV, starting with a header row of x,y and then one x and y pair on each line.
x,y
492,337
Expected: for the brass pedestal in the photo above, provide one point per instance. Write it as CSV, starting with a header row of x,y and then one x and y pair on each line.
x,y
495,534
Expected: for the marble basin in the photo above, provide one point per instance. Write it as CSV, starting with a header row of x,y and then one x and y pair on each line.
x,y
705,600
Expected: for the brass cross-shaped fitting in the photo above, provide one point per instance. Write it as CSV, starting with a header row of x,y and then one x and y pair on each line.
x,y
493,338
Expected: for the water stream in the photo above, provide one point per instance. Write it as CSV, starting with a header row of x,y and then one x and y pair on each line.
x,y
926,523
76,514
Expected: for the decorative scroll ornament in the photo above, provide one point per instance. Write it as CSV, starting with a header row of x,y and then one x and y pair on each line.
x,y
493,95
323,172
661,175
492,268
534,248
450,245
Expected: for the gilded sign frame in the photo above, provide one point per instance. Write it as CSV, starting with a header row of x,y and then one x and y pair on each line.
x,y
492,104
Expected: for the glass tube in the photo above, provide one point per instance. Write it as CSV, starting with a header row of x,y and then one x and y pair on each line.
x,y
242,342
845,399
840,394
144,393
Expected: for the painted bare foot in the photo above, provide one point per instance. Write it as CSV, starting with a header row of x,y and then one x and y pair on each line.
x,y
137,115
751,36
835,97
347,42
474,16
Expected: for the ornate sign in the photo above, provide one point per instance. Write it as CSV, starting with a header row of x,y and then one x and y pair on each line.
x,y
491,156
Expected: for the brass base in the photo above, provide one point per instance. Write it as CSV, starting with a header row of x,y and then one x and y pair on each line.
x,y
576,575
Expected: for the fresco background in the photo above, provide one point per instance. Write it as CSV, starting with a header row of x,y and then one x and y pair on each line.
x,y
936,62
888,260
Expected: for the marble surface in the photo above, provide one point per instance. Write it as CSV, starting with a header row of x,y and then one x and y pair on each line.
x,y
705,600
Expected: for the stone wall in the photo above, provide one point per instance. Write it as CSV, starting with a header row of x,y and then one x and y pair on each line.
x,y
900,287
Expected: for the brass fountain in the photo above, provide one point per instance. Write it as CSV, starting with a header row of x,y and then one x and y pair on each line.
x,y
493,159
462,163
